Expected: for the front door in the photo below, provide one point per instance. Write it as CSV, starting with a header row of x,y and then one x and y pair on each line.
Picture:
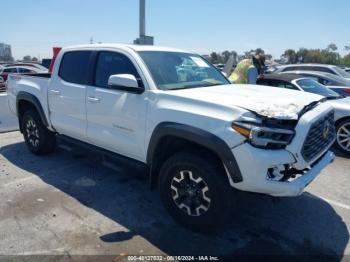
x,y
116,119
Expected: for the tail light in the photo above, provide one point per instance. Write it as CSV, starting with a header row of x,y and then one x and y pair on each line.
x,y
347,90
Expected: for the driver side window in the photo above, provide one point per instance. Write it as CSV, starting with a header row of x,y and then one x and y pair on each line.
x,y
112,63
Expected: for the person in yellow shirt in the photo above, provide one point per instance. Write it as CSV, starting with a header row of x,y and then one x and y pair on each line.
x,y
249,70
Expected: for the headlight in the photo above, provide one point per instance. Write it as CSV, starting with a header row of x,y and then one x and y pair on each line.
x,y
262,136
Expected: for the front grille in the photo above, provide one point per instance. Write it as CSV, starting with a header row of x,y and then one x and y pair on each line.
x,y
320,136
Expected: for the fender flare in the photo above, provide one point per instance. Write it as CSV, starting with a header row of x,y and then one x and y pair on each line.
x,y
197,136
25,96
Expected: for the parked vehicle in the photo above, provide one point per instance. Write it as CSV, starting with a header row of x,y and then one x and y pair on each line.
x,y
331,69
35,65
334,82
199,137
347,70
340,104
18,70
2,85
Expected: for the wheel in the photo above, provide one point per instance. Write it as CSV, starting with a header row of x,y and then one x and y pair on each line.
x,y
38,138
195,192
343,136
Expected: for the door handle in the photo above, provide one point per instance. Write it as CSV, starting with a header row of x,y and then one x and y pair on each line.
x,y
93,99
55,92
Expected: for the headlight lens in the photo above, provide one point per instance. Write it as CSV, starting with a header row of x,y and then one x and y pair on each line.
x,y
262,136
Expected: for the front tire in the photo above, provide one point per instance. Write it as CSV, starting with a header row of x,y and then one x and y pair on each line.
x,y
343,136
195,192
38,138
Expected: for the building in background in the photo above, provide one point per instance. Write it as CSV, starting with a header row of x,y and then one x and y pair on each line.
x,y
5,52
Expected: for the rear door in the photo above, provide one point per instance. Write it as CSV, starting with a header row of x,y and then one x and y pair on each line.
x,y
116,119
67,94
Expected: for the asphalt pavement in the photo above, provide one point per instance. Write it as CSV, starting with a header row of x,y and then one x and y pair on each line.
x,y
72,203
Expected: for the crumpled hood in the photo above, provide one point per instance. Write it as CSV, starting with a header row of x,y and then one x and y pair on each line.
x,y
266,101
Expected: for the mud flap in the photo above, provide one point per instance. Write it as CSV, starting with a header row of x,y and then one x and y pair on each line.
x,y
8,120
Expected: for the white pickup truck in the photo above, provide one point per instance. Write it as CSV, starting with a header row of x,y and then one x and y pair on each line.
x,y
200,137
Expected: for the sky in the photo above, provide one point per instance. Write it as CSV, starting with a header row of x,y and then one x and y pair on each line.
x,y
33,27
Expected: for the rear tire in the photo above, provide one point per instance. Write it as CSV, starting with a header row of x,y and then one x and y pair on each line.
x,y
38,138
196,192
343,136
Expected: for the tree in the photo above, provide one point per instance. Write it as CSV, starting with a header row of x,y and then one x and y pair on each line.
x,y
347,47
34,59
332,48
27,58
301,54
346,60
214,57
290,56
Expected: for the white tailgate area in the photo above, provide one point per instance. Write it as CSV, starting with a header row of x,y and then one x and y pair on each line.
x,y
8,121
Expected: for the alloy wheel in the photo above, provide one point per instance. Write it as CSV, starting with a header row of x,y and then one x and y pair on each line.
x,y
343,136
32,133
190,193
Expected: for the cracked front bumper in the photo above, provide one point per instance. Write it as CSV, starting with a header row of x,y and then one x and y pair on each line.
x,y
254,164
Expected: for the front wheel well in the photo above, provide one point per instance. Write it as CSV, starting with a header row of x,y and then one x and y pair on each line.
x,y
347,118
170,145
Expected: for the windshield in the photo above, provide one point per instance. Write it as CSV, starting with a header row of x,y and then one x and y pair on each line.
x,y
341,72
311,86
174,70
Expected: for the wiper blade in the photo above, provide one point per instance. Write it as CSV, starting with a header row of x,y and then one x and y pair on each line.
x,y
311,106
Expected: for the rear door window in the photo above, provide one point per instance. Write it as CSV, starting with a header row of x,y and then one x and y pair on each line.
x,y
75,66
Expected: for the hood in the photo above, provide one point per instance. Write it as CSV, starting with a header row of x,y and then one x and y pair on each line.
x,y
266,101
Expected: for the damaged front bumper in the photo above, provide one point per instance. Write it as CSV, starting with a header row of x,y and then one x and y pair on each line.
x,y
255,165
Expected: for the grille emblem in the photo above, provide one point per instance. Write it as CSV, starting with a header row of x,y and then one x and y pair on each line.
x,y
326,129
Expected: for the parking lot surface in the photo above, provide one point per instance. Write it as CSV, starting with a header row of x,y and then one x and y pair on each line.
x,y
71,203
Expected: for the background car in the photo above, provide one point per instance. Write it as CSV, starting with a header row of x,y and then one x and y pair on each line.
x,y
4,72
331,69
334,82
340,104
35,65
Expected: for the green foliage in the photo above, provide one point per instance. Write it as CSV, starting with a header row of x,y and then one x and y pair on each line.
x,y
322,56
346,60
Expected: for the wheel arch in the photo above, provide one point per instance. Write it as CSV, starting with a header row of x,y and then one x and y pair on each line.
x,y
26,101
169,137
341,120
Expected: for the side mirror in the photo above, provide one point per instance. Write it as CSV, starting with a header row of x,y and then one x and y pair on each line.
x,y
125,82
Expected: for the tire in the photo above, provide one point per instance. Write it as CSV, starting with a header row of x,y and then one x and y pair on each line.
x,y
39,139
188,176
343,136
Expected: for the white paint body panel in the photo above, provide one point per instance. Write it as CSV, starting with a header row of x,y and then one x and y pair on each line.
x,y
124,122
8,121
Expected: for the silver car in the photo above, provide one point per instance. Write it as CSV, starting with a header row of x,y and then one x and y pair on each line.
x,y
340,103
334,82
331,69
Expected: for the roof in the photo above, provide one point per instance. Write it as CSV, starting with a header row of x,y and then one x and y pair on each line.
x,y
314,73
136,48
283,77
310,64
